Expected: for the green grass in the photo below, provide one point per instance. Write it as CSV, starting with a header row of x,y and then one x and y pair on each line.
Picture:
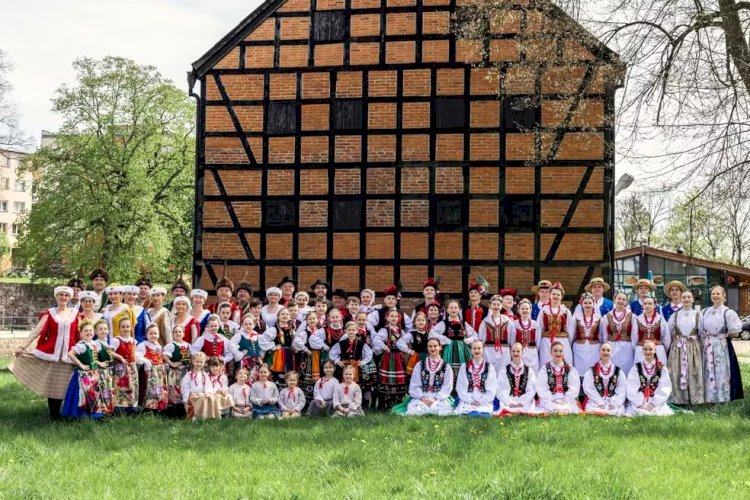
x,y
380,456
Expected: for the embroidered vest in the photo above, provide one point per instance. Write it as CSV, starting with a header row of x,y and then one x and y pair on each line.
x,y
551,377
493,335
624,335
648,385
393,337
482,376
249,345
419,341
593,333
527,338
213,347
555,324
351,350
284,336
102,353
154,356
333,335
517,390
127,351
474,319
454,331
599,381
654,333
437,382
181,354
87,357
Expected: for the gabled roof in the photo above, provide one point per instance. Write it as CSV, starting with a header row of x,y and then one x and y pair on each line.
x,y
680,257
234,37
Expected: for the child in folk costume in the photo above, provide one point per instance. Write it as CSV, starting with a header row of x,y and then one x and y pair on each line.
x,y
198,298
321,307
516,384
362,332
367,300
83,396
270,310
228,329
649,385
198,392
541,291
308,357
249,347
351,350
302,299
605,385
182,317
558,384
431,384
291,398
352,308
279,342
686,354
212,343
414,343
650,325
142,320
508,296
347,397
149,355
455,336
101,330
475,311
392,379
324,340
526,331
557,325
264,396
161,315
476,384
240,392
435,315
586,333
125,370
255,307
117,310
430,292
176,355
220,385
494,332
377,317
322,401
293,313
618,327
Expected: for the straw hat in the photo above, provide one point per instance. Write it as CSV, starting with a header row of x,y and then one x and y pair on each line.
x,y
597,281
541,284
676,283
645,282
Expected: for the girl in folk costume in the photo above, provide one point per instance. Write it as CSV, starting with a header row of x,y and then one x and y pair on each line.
x,y
476,384
525,331
176,355
324,340
674,291
455,336
541,291
287,286
322,401
586,334
103,355
302,299
353,351
240,392
362,332
392,379
377,317
434,316
352,308
721,372
212,343
244,294
279,342
649,385
220,385
430,292
249,347
475,311
605,385
45,368
367,300
83,396
686,354
321,307
125,376
557,325
270,310
508,297
347,397
308,357
414,343
431,384
88,301
117,310
198,392
558,384
650,325
183,318
198,298
227,327
149,355
494,332
160,315
618,327
602,305
142,319
291,398
516,384
644,288
264,395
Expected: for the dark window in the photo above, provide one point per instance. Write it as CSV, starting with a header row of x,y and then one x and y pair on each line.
x,y
329,26
520,113
448,212
282,118
450,112
518,213
347,114
279,213
347,215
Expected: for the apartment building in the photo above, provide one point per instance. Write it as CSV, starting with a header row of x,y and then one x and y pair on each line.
x,y
16,197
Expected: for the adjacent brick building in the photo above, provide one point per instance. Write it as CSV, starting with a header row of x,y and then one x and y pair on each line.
x,y
360,141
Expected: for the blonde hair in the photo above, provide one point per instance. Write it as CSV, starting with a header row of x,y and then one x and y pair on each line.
x,y
83,324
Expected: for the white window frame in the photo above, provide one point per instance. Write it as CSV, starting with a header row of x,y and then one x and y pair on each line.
x,y
15,207
6,206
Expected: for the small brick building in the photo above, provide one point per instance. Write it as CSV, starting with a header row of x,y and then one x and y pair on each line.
x,y
360,141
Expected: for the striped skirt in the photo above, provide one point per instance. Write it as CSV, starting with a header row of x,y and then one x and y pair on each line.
x,y
309,368
413,360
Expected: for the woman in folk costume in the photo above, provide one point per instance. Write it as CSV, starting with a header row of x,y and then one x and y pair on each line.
x,y
392,379
618,327
414,342
367,300
308,359
198,298
270,311
674,291
183,318
435,315
597,287
278,341
644,288
557,325
525,331
508,296
176,355
476,384
142,320
125,373
431,384
475,311
179,289
541,292
721,372
650,325
149,356
605,385
586,334
455,336
250,347
83,398
117,310
42,362
99,278
351,350
686,354
649,385
376,318
494,332
88,301
160,315
558,384
430,291
516,384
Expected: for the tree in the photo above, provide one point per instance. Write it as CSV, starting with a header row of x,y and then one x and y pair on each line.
x,y
638,216
11,135
117,185
4,245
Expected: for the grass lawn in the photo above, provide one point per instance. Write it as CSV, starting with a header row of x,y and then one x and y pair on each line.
x,y
705,455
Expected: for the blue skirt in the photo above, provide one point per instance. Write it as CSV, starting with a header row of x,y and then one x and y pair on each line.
x,y
735,376
72,407
262,411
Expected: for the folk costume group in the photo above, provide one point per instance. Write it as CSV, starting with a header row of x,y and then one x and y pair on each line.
x,y
121,349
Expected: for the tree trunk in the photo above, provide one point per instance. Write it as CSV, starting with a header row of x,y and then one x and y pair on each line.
x,y
737,46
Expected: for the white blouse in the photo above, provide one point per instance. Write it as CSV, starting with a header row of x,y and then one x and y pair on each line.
x,y
324,389
712,321
415,384
291,400
264,391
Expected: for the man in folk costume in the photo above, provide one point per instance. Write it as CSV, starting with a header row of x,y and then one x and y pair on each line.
x,y
161,315
475,311
179,289
541,291
320,290
243,293
674,291
508,298
99,278
76,284
224,290
431,292
644,288
597,287
288,286
144,285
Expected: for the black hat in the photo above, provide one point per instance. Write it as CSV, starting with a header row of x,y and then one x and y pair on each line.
x,y
320,282
339,292
144,280
180,283
99,272
287,279
76,282
244,285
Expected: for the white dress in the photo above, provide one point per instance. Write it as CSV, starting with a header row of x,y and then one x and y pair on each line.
x,y
564,338
495,335
422,384
513,389
713,335
613,394
557,399
530,336
619,331
657,396
586,342
650,330
476,383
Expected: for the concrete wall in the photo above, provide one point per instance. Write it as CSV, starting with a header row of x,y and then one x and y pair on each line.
x,y
21,303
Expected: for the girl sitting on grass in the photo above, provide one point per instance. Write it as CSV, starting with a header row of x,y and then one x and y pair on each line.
x,y
264,395
605,385
240,392
347,398
476,384
322,402
516,384
291,398
431,383
649,385
558,384
198,392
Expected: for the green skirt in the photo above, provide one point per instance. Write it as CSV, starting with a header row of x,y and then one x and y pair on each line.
x,y
455,354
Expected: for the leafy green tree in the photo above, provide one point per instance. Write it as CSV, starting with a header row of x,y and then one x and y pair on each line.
x,y
4,245
116,187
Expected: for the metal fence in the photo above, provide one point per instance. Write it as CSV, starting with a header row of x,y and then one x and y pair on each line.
x,y
16,325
